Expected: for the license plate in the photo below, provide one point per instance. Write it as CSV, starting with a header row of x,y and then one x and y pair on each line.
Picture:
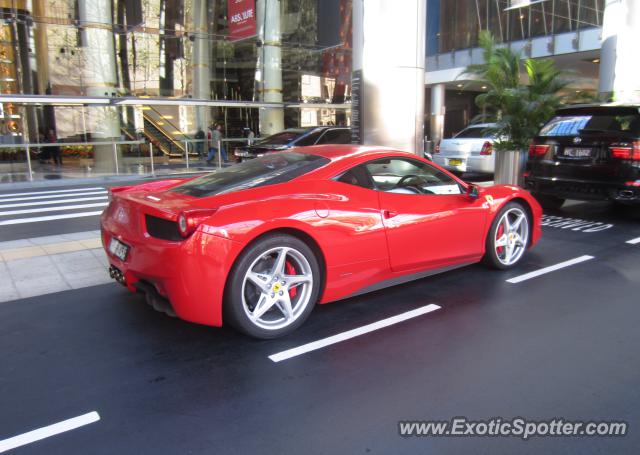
x,y
118,249
574,152
455,162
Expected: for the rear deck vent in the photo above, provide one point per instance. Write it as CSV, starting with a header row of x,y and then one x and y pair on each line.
x,y
163,229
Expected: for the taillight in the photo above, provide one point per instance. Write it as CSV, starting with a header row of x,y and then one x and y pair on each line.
x,y
538,150
437,148
487,148
188,221
626,151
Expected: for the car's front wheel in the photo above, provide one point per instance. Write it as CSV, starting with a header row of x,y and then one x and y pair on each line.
x,y
273,287
508,237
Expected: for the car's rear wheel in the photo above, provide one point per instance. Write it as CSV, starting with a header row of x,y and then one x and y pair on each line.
x,y
273,287
548,201
508,237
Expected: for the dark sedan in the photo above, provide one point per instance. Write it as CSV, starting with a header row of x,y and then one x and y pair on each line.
x,y
587,152
296,137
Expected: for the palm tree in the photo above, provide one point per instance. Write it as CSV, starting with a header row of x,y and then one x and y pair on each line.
x,y
518,109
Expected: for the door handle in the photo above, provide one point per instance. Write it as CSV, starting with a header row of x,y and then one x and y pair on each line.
x,y
389,213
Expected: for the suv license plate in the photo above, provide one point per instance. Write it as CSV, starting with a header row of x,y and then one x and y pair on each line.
x,y
455,162
118,249
574,152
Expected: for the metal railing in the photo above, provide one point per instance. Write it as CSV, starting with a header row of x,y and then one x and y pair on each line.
x,y
189,146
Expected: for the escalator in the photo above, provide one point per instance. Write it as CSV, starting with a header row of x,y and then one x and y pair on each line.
x,y
158,131
161,139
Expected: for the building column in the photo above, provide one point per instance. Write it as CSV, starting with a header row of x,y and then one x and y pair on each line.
x,y
201,70
269,75
619,79
389,48
99,73
437,113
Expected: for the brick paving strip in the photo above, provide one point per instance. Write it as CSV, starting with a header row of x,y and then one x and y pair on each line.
x,y
43,265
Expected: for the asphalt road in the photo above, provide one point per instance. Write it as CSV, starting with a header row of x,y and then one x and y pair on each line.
x,y
562,344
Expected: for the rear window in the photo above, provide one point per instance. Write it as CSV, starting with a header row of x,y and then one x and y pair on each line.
x,y
475,133
266,170
573,125
281,138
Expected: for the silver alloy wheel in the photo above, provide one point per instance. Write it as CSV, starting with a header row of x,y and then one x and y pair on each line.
x,y
272,296
511,236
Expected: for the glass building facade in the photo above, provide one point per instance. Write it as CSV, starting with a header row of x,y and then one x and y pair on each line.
x,y
159,70
455,24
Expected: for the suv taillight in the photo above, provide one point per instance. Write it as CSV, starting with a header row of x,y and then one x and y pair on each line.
x,y
487,148
624,151
538,150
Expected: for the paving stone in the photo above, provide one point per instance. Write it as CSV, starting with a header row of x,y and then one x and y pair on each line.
x,y
34,268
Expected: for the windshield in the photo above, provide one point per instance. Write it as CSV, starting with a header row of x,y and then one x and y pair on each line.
x,y
477,132
281,138
573,125
265,170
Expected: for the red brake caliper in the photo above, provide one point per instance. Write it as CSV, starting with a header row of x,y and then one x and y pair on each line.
x,y
290,269
499,234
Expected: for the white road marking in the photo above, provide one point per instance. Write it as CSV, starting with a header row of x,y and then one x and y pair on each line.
x,y
52,196
48,431
64,201
634,241
54,209
551,268
49,218
289,353
53,191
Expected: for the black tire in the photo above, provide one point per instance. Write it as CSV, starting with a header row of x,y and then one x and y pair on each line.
x,y
549,202
491,256
240,289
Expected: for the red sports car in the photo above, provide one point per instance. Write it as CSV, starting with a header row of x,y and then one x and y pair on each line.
x,y
257,244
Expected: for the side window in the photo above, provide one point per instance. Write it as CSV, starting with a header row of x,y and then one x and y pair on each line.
x,y
407,176
356,176
309,139
340,136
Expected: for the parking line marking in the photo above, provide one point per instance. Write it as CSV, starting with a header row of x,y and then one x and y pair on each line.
x,y
289,353
52,196
73,190
634,241
551,268
49,218
54,209
48,431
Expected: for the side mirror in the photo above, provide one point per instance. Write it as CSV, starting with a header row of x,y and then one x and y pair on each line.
x,y
472,192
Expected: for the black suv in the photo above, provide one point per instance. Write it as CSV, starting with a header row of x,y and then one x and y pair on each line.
x,y
587,152
296,137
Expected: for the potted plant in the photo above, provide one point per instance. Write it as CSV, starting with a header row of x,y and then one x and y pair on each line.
x,y
518,109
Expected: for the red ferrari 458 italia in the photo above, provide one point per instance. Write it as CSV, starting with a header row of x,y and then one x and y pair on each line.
x,y
258,244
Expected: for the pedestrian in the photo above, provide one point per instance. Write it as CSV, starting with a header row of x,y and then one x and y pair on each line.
x,y
199,137
250,135
215,139
56,154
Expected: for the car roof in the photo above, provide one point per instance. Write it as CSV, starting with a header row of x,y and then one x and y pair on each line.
x,y
335,152
480,125
598,107
306,129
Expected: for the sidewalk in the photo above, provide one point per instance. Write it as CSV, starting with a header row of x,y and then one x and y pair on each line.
x,y
55,263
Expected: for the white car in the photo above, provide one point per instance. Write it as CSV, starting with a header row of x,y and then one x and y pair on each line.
x,y
471,150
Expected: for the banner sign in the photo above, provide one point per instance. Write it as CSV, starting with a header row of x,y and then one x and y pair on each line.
x,y
242,19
